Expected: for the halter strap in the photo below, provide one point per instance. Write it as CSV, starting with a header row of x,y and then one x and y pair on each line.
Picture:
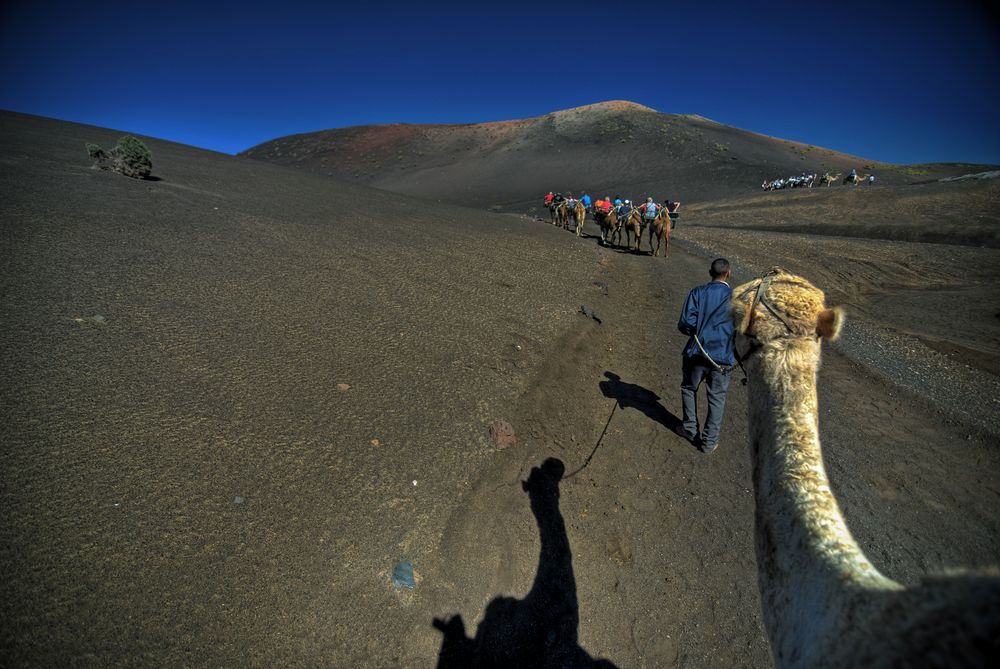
x,y
761,297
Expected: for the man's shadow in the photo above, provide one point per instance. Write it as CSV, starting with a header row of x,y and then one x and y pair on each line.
x,y
541,629
632,395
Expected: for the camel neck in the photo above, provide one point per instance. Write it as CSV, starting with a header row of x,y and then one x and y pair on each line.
x,y
807,559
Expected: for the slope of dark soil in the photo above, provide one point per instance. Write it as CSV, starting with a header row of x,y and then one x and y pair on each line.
x,y
181,472
186,483
607,148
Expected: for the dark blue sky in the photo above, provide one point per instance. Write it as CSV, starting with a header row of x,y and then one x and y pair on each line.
x,y
901,81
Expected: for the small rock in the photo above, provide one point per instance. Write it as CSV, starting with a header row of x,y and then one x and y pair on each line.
x,y
502,434
96,318
402,575
587,311
237,500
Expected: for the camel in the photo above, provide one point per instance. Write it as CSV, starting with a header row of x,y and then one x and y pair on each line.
x,y
578,214
828,179
824,603
609,223
558,213
857,180
632,226
659,228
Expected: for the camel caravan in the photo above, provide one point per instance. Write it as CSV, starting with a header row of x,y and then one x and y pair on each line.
x,y
824,603
809,180
616,219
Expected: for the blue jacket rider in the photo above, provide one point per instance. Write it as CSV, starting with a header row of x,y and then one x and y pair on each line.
x,y
706,313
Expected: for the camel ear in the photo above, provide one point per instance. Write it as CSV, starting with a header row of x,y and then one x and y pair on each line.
x,y
829,322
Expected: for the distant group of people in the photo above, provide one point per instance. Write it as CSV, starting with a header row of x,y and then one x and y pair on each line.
x,y
802,181
553,200
805,180
623,207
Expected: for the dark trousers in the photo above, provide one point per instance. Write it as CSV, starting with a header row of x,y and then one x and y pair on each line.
x,y
717,384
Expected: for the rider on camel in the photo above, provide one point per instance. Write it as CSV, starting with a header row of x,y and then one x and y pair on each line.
x,y
648,209
624,209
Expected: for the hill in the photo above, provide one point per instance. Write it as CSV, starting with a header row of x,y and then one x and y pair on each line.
x,y
237,395
605,148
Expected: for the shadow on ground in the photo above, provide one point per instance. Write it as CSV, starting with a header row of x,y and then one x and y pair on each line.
x,y
632,395
541,629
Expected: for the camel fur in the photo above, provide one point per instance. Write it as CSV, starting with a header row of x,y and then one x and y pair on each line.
x,y
824,603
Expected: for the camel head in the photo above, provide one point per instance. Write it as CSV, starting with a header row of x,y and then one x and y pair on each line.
x,y
781,305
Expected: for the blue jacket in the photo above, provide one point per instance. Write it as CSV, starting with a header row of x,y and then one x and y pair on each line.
x,y
706,314
586,200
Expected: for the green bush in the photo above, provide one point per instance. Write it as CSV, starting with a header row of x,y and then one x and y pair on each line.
x,y
129,157
96,152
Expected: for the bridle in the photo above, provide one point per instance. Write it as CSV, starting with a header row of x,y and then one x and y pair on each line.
x,y
760,297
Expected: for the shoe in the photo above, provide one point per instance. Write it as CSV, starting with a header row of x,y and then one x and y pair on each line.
x,y
679,431
709,449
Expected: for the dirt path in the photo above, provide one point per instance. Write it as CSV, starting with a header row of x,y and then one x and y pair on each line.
x,y
661,536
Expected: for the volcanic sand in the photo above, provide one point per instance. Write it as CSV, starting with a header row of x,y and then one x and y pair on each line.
x,y
186,483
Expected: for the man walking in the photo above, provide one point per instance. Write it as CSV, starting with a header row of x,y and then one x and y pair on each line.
x,y
708,355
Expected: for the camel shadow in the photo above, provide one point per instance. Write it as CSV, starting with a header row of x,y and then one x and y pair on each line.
x,y
541,629
634,396
618,248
